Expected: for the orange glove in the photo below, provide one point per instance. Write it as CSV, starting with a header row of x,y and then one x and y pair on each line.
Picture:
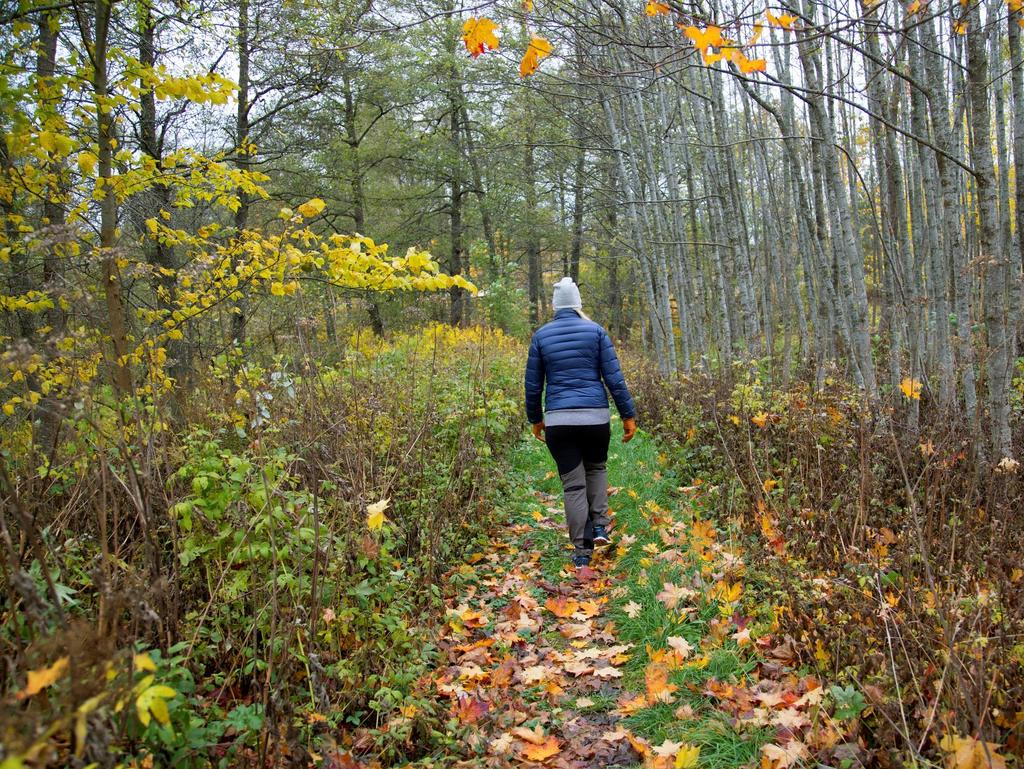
x,y
538,431
628,429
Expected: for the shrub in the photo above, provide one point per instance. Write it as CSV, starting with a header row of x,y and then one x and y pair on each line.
x,y
231,554
894,556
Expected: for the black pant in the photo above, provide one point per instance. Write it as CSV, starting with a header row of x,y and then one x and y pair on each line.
x,y
581,453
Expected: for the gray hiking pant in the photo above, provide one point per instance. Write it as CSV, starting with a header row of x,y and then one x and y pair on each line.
x,y
581,453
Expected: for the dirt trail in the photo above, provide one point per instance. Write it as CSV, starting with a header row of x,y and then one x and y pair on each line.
x,y
533,660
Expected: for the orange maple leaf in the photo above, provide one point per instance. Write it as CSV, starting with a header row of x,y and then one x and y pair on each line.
x,y
632,705
550,747
538,49
747,66
658,687
561,606
702,38
478,35
654,8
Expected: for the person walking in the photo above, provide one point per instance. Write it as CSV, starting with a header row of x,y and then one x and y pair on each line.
x,y
571,363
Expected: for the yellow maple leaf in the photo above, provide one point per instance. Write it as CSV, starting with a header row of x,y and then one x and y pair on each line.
x,y
687,757
821,653
769,484
960,27
87,163
760,419
375,514
538,49
970,753
40,679
911,388
654,8
728,593
785,21
478,35
311,208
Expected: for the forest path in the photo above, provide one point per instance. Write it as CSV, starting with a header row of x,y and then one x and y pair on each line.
x,y
649,658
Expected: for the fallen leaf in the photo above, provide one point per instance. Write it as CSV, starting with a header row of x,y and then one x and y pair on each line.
x,y
742,637
534,736
970,753
543,751
561,606
781,757
667,748
577,630
684,713
534,674
672,594
791,718
501,745
579,668
687,757
616,735
681,646
658,687
470,709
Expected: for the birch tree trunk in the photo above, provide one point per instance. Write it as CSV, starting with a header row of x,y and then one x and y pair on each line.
x,y
994,261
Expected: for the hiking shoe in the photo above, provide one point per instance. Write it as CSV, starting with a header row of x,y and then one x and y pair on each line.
x,y
601,536
579,561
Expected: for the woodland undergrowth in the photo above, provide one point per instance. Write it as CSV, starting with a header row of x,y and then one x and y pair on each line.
x,y
893,556
239,584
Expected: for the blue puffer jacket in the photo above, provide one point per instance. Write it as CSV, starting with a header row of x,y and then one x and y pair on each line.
x,y
577,359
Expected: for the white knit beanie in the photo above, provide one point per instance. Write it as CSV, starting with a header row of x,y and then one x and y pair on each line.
x,y
566,296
